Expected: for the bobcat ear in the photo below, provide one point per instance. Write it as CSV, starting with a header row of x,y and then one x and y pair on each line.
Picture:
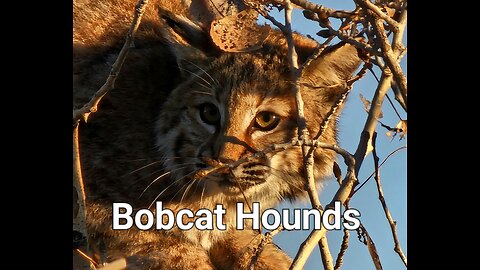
x,y
190,43
334,65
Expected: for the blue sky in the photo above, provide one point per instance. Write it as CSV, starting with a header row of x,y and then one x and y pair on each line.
x,y
393,174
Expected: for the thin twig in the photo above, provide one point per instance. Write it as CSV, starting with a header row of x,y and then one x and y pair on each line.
x,y
341,99
393,106
329,12
346,232
372,249
389,100
272,148
343,249
266,239
369,5
389,55
92,105
342,195
398,36
303,134
370,124
353,41
87,258
307,151
398,96
119,264
79,219
373,173
381,197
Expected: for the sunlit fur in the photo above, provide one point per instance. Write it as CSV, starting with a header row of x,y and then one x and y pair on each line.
x,y
147,140
241,86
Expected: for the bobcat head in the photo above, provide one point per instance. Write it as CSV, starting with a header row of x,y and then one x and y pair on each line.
x,y
232,105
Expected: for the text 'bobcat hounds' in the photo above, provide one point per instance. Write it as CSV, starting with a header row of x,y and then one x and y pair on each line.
x,y
205,219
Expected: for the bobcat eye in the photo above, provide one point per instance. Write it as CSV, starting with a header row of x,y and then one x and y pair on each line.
x,y
209,113
266,121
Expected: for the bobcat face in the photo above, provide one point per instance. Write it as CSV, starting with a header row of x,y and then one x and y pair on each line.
x,y
236,104
220,116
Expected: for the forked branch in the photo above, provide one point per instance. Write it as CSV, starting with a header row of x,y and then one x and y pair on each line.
x,y
381,197
92,105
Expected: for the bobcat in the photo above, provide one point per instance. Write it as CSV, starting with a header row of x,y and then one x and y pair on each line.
x,y
179,105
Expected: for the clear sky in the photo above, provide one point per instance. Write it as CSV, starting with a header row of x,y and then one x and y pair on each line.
x,y
393,174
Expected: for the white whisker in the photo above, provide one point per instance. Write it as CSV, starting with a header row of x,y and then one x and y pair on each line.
x,y
196,75
204,71
174,182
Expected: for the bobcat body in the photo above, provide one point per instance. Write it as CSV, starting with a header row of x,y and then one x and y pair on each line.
x,y
180,105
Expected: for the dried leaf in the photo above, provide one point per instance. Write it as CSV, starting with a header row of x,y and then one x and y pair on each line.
x,y
324,33
336,170
310,15
366,106
390,11
366,103
400,128
239,32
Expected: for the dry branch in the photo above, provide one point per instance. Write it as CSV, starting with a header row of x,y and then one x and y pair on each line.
x,y
346,232
79,214
381,164
119,264
367,240
366,4
342,195
390,56
343,249
370,124
92,105
353,41
340,101
266,239
381,197
307,151
328,12
79,220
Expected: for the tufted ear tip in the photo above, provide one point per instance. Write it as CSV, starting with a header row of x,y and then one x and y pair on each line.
x,y
335,64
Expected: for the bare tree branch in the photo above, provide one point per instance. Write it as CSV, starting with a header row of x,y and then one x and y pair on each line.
x,y
307,151
343,249
366,4
390,56
342,195
79,219
367,240
303,134
339,102
398,96
79,214
398,35
381,197
371,123
119,264
92,105
328,12
266,239
381,164
353,41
